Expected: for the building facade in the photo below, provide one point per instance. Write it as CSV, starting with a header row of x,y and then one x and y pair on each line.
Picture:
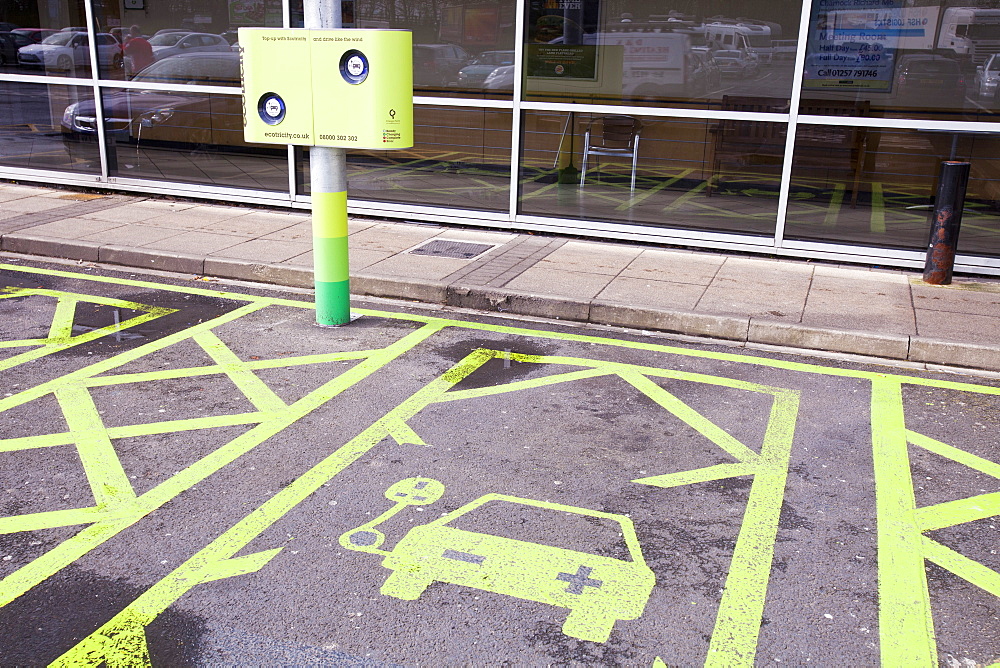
x,y
812,129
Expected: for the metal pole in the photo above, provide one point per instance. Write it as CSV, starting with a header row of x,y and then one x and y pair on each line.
x,y
946,222
328,180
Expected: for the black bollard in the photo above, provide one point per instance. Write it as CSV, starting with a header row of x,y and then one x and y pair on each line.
x,y
947,220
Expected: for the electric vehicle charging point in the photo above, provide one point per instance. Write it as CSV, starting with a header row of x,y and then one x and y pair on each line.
x,y
363,88
328,88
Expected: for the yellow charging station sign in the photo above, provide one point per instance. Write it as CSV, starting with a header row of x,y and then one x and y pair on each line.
x,y
341,88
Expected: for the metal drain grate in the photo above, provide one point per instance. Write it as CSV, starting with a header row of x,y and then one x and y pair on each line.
x,y
462,250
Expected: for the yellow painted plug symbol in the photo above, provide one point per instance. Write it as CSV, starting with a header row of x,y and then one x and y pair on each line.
x,y
407,492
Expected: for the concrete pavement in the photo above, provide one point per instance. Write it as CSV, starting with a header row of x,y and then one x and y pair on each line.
x,y
875,312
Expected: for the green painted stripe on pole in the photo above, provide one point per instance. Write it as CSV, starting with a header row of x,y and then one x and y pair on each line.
x,y
333,302
329,215
330,262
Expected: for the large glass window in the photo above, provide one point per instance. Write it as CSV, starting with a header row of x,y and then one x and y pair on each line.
x,y
936,60
187,137
681,54
463,48
50,38
34,127
152,31
460,159
875,187
715,175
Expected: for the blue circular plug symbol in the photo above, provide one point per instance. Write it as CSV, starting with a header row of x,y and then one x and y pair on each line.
x,y
271,108
354,66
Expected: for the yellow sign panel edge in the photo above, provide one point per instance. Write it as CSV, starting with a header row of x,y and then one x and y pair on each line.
x,y
267,58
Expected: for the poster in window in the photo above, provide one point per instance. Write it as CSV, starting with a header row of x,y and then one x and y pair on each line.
x,y
853,43
562,39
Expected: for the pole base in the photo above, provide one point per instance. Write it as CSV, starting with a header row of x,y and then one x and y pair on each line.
x,y
354,316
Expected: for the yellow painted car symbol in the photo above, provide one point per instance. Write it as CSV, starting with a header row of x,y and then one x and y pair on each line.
x,y
598,590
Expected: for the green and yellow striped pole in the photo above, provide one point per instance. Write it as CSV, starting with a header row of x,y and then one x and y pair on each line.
x,y
330,264
328,180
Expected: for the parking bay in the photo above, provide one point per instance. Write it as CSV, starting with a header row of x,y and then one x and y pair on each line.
x,y
415,488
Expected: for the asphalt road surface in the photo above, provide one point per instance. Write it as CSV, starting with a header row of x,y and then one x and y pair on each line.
x,y
195,473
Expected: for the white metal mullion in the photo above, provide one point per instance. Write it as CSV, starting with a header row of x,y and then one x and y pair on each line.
x,y
184,88
658,112
96,87
37,78
902,123
515,135
462,102
793,119
292,184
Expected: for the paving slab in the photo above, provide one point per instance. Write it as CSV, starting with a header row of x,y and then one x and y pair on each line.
x,y
758,288
299,231
126,214
132,235
11,191
674,267
476,236
657,294
73,228
426,267
35,204
396,239
573,284
959,298
353,224
262,250
250,225
966,327
210,214
163,205
582,256
196,241
855,302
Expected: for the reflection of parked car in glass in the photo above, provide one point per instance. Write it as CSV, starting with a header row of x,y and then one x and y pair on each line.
x,y
166,117
10,42
172,43
599,590
735,63
927,80
437,64
36,35
473,74
987,76
502,78
67,50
